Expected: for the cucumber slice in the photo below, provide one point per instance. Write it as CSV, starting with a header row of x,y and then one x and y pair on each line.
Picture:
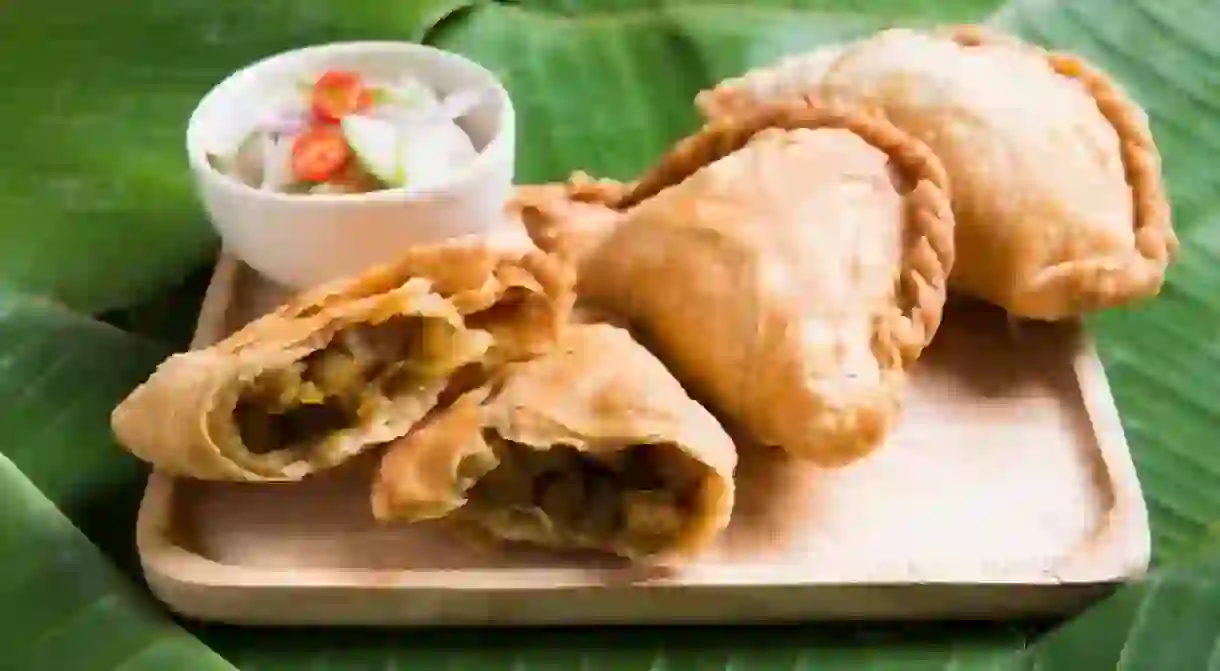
x,y
375,143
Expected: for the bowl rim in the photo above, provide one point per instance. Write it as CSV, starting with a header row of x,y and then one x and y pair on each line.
x,y
197,155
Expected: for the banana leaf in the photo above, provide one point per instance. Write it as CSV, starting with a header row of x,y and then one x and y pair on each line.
x,y
67,606
105,252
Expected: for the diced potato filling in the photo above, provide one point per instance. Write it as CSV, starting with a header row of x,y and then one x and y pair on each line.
x,y
334,388
639,497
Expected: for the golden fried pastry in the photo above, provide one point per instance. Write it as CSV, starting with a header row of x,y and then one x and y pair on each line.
x,y
787,266
591,446
1056,179
791,77
345,366
569,219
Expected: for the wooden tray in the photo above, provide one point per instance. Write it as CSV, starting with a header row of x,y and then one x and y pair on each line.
x,y
1006,489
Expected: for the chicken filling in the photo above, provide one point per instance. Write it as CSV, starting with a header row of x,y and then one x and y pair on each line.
x,y
359,372
641,497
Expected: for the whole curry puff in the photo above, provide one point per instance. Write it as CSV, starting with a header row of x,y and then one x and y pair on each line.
x,y
1058,196
346,366
787,265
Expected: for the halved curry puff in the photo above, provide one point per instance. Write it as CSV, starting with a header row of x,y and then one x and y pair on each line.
x,y
345,366
592,446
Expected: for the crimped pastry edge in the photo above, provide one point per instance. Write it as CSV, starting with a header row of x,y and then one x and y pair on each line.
x,y
539,206
928,258
1076,287
1101,282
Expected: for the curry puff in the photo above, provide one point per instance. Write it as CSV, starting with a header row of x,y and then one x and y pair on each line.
x,y
346,366
570,219
1056,179
592,446
787,266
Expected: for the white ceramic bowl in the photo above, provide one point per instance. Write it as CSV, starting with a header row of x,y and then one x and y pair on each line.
x,y
302,240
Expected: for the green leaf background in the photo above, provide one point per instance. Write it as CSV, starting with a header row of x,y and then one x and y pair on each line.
x,y
105,254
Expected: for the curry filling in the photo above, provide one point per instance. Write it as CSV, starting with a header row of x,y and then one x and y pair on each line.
x,y
359,372
641,498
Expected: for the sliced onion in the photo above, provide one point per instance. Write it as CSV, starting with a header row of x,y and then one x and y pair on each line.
x,y
277,157
435,147
284,122
457,104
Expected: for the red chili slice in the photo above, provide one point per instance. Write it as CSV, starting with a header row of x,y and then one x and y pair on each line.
x,y
319,153
338,93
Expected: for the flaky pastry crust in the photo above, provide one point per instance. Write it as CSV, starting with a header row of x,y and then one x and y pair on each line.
x,y
929,253
1089,284
501,305
568,219
785,409
1061,263
597,392
792,77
